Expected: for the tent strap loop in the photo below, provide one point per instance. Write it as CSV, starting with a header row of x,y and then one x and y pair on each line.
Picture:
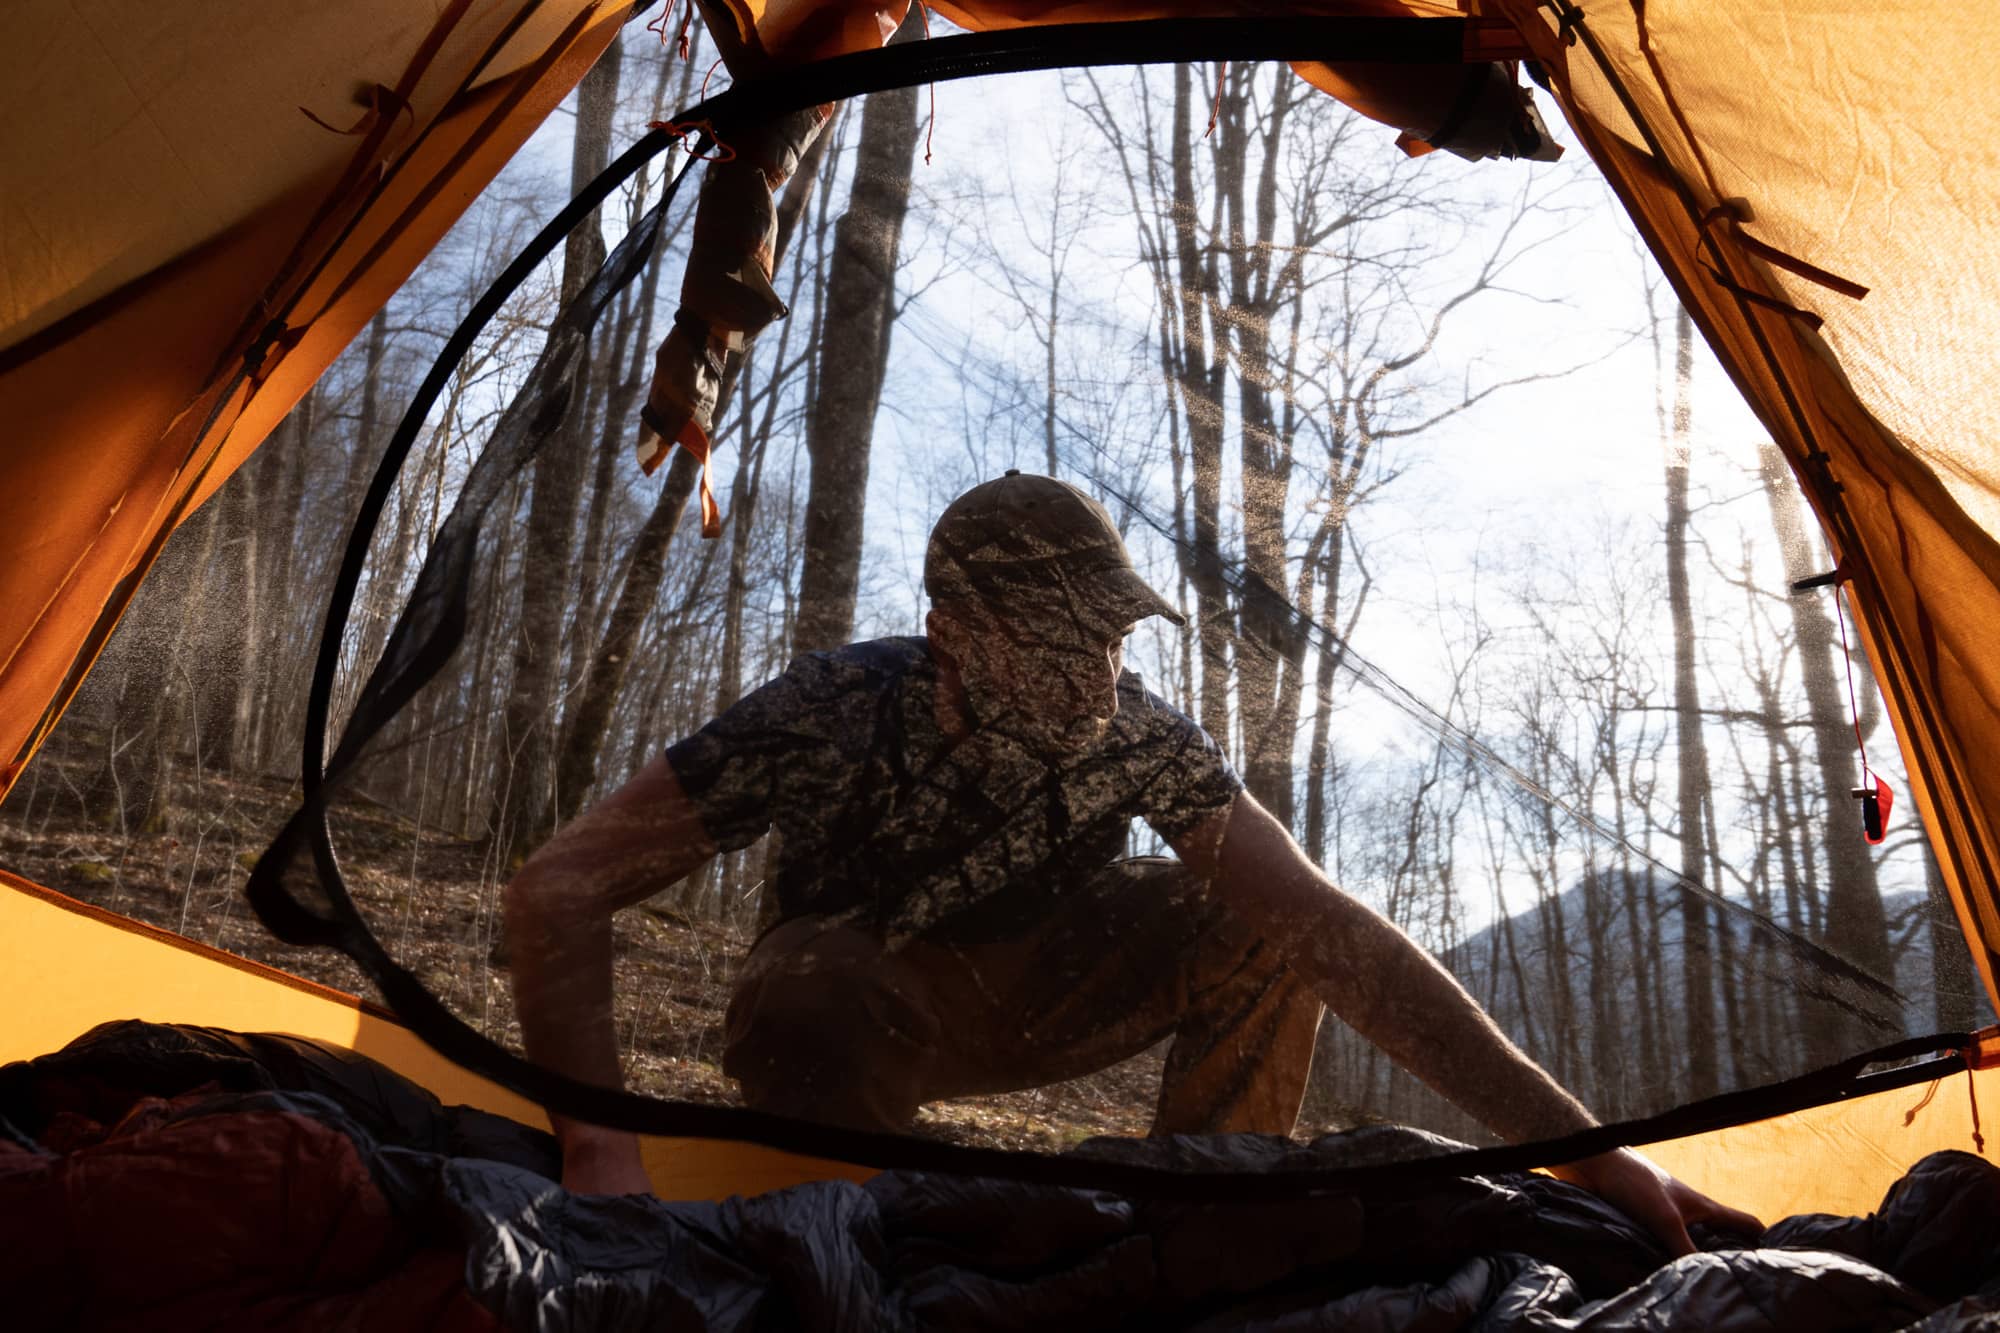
x,y
1736,212
1569,18
1755,297
1984,1050
1930,1093
274,336
378,101
682,129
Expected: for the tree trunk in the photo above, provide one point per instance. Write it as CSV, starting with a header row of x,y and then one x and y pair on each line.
x,y
860,305
1267,642
1697,965
367,430
1054,318
1855,926
1200,384
625,384
156,634
646,562
526,812
228,633
621,395
279,522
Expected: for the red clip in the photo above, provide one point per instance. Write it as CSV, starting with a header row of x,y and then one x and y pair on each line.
x,y
1876,802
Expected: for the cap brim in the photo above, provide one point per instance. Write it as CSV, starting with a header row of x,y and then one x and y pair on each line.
x,y
1134,594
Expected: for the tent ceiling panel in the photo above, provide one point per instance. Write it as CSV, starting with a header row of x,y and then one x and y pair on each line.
x,y
106,452
140,131
1806,113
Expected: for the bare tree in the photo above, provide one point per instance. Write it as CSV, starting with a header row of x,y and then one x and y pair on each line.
x,y
861,304
525,810
1695,804
1855,928
603,680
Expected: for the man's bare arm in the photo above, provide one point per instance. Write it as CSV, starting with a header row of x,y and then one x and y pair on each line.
x,y
1391,991
1378,980
630,845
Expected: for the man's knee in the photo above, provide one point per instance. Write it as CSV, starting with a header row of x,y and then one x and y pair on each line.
x,y
1214,945
831,1031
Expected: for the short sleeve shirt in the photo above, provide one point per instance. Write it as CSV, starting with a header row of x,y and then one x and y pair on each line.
x,y
884,822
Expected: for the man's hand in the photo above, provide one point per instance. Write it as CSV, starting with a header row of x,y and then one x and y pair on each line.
x,y
1395,994
1652,1198
603,1161
636,841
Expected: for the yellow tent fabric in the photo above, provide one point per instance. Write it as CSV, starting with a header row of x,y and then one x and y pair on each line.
x,y
1837,1158
160,219
66,966
167,192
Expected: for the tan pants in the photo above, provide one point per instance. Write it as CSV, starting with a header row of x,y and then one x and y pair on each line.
x,y
827,1024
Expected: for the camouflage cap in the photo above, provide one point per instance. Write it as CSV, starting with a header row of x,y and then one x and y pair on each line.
x,y
1021,539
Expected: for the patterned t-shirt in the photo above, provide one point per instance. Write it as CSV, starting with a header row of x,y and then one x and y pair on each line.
x,y
883,821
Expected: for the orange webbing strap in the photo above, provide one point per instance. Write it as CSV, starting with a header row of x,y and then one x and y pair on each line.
x,y
1972,1092
653,451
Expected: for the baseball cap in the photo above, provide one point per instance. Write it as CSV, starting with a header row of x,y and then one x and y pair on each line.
x,y
1022,537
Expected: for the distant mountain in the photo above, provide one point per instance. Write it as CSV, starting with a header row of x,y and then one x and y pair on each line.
x,y
1608,1018
1597,991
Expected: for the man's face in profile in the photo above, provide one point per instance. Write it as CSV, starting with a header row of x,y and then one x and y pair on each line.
x,y
1042,671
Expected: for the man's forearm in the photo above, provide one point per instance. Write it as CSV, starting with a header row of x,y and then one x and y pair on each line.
x,y
562,983
1378,980
637,841
1397,996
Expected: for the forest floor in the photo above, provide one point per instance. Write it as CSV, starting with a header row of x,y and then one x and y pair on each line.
x,y
433,901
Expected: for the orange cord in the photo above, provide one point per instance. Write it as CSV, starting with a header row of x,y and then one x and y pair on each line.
x,y
1972,1092
681,129
686,46
658,27
1910,1116
923,12
1847,661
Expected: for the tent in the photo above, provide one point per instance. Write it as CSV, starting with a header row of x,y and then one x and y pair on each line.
x,y
183,263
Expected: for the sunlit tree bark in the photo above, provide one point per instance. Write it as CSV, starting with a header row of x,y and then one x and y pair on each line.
x,y
1855,927
854,361
525,811
1697,953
